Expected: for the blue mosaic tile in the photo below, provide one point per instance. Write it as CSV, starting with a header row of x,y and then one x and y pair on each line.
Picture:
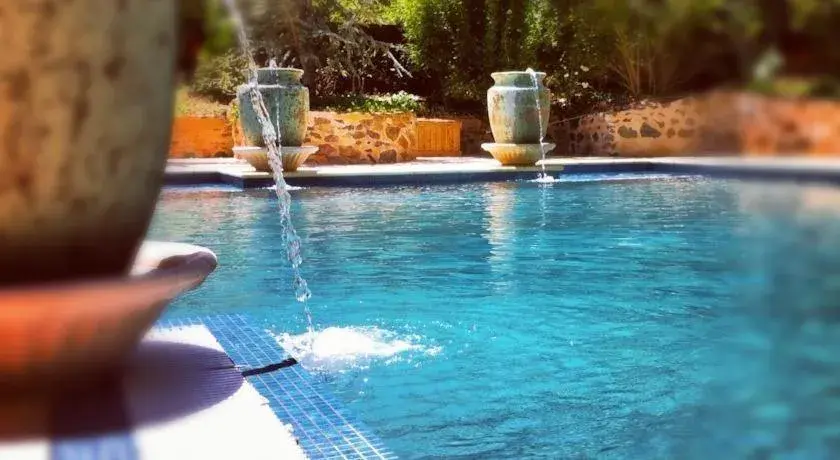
x,y
117,446
323,426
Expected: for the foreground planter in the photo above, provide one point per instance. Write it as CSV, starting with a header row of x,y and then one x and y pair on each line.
x,y
84,129
286,100
74,332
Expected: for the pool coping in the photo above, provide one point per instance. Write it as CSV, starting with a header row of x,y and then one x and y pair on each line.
x,y
438,170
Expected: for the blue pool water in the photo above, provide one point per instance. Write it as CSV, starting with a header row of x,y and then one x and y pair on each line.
x,y
652,319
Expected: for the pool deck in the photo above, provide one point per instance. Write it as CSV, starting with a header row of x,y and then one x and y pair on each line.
x,y
228,171
213,387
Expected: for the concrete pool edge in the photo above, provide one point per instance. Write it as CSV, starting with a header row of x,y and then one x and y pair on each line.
x,y
323,426
441,170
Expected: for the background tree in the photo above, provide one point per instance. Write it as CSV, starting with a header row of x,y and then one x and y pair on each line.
x,y
595,52
326,38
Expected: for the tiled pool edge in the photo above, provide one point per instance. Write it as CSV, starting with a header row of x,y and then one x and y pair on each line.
x,y
479,170
813,172
324,428
396,174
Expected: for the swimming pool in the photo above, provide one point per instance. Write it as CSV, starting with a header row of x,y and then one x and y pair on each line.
x,y
640,319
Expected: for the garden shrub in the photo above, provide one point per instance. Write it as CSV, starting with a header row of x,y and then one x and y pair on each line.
x,y
460,43
596,53
388,103
594,49
217,77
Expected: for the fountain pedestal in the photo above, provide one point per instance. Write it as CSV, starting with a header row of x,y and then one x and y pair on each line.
x,y
287,105
518,107
518,154
292,157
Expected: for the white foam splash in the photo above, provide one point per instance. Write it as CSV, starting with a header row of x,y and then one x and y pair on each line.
x,y
290,188
545,179
340,349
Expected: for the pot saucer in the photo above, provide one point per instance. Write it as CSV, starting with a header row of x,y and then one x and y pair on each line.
x,y
292,157
67,333
518,154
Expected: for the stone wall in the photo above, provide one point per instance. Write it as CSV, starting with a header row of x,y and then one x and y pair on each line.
x,y
474,132
654,129
361,138
782,127
345,138
711,124
195,137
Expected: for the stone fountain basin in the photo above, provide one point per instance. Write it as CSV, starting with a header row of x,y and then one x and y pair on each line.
x,y
292,157
518,154
71,333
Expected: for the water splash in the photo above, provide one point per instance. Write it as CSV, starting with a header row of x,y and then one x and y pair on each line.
x,y
343,349
543,177
271,135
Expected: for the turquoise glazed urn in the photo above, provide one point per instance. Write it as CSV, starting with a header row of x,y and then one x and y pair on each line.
x,y
286,100
513,109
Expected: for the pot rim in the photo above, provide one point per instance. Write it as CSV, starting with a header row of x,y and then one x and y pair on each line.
x,y
516,72
293,72
283,69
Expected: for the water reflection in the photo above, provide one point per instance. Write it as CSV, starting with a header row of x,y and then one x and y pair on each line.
x,y
802,201
179,209
500,232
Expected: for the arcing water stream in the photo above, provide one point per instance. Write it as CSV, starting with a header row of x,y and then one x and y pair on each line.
x,y
334,349
271,135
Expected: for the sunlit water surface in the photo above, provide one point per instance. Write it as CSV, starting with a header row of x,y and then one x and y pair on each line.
x,y
663,319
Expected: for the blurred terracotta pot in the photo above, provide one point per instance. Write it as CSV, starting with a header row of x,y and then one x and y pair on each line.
x,y
61,335
86,90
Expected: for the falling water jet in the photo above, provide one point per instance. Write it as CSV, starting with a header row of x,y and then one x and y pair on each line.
x,y
543,177
271,135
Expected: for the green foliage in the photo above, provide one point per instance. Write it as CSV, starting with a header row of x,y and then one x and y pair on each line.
x,y
364,11
563,39
665,46
387,103
325,38
590,48
791,87
658,45
217,76
218,28
220,66
462,42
